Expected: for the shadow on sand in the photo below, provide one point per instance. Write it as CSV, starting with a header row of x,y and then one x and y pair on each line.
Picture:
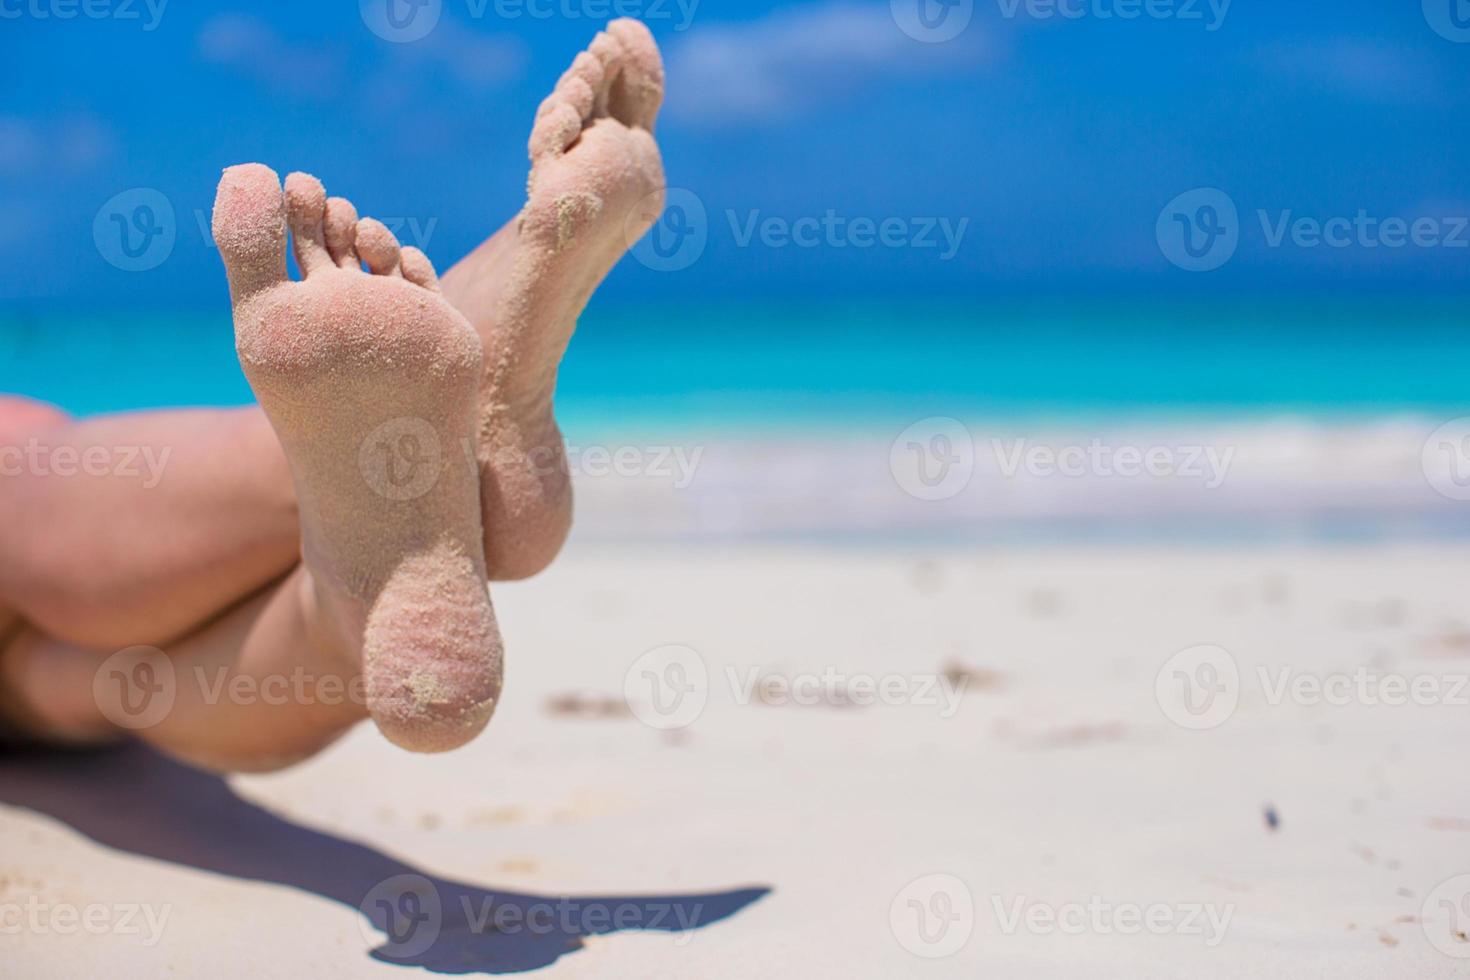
x,y
135,800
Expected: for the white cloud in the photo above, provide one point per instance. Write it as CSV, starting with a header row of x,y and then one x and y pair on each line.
x,y
250,47
70,144
392,76
20,144
797,59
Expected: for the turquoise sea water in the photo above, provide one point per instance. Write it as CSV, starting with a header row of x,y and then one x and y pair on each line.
x,y
764,367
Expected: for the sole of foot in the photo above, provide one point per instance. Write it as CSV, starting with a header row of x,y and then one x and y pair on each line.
x,y
370,379
596,185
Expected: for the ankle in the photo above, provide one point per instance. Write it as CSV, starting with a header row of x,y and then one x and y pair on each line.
x,y
334,620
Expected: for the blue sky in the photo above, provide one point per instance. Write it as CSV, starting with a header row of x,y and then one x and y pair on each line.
x,y
1054,143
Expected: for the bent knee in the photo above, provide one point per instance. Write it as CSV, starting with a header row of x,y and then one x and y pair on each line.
x,y
21,417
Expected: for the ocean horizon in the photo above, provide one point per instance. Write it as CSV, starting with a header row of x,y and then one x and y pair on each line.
x,y
832,422
819,367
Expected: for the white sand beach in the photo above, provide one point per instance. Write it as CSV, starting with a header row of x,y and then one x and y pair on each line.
x,y
968,491
1071,824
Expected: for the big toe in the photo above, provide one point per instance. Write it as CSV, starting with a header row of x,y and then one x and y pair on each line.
x,y
638,90
249,227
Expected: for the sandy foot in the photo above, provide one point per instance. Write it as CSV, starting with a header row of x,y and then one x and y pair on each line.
x,y
370,380
596,185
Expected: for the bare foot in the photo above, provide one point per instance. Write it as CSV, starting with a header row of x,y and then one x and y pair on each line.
x,y
370,380
596,185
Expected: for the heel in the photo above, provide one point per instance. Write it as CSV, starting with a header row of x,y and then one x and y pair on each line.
x,y
432,654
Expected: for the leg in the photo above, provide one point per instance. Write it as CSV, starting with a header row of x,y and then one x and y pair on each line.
x,y
225,495
47,684
138,528
19,416
596,185
389,600
269,683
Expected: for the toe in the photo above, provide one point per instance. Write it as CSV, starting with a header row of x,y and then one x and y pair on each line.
x,y
580,94
417,268
576,93
306,203
341,229
249,227
609,52
588,68
378,248
555,131
638,91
